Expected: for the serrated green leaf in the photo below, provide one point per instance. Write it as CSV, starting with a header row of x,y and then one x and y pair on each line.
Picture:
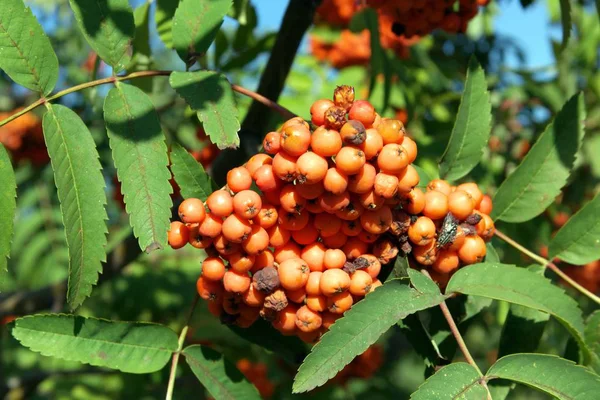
x,y
134,347
195,25
8,207
592,335
578,241
523,287
566,21
220,377
536,182
471,129
360,327
524,326
189,174
455,381
108,27
556,376
140,155
141,41
400,269
165,10
80,185
210,95
26,53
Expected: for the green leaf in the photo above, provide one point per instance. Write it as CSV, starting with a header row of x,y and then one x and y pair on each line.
x,y
523,287
210,95
400,269
523,327
420,339
360,327
141,41
195,25
140,155
578,241
26,54
134,347
491,253
592,333
165,10
566,21
220,377
108,26
455,381
536,182
240,11
80,185
472,127
556,376
424,177
8,207
189,174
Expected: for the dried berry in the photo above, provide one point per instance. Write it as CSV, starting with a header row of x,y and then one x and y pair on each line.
x,y
276,301
266,280
343,96
335,118
473,219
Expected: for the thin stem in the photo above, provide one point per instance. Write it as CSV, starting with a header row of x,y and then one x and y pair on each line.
x,y
175,359
284,112
548,264
456,332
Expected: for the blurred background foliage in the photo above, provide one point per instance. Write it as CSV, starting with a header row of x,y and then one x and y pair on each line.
x,y
419,83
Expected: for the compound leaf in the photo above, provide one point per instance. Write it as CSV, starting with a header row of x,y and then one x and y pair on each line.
x,y
134,347
455,381
8,207
80,186
536,182
26,53
140,155
189,174
471,129
220,377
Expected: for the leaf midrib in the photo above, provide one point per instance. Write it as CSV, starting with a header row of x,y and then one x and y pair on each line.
x,y
32,69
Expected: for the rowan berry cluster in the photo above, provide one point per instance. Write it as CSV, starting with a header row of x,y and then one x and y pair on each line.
x,y
256,373
23,137
339,198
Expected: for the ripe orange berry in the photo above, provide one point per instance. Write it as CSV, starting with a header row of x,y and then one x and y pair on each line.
x,y
224,246
332,203
329,319
473,250
316,303
350,160
267,216
311,168
253,297
392,159
290,199
296,296
353,133
263,260
360,283
422,231
293,221
411,149
257,241
284,166
340,302
336,241
313,254
211,226
334,259
314,206
408,179
373,143
460,204
335,181
440,185
293,273
425,255
247,204
294,121
436,205
295,140
213,268
317,111
286,320
287,251
209,290
239,179
351,212
485,227
325,142
486,205
178,235
354,248
374,265
377,221
307,320
265,178
363,181
391,131
367,237
236,282
196,239
215,308
446,261
312,285
362,111
334,281
306,235
220,203
370,200
413,202
325,225
236,229
240,262
278,236
191,211
272,142
310,191
473,190
386,185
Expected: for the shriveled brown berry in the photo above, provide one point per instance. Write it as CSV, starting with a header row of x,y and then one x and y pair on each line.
x,y
276,301
335,117
266,280
343,96
353,132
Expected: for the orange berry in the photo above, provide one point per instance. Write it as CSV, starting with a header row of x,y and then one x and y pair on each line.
x,y
311,168
313,206
340,302
334,259
287,251
213,268
408,179
236,282
247,204
436,205
440,185
486,205
209,290
296,296
325,225
211,226
373,143
325,142
446,261
220,203
386,185
485,227
335,181
307,320
329,319
178,235
284,166
374,265
460,204
293,221
371,200
362,111
263,260
335,241
278,236
306,235
351,228
422,231
290,199
267,216
350,160
334,281
196,239
392,159
413,202
377,221
272,142
354,248
286,319
474,193
376,283
425,255
312,285
295,140
473,250
411,149
368,237
265,178
313,254
360,283
353,133
257,241
191,211
293,273
332,203
317,111
239,179
240,262
316,303
351,212
363,181
224,246
310,191
391,131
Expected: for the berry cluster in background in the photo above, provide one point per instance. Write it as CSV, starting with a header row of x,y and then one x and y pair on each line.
x,y
24,138
339,199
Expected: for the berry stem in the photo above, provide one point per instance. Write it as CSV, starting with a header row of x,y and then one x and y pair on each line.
x,y
141,74
175,359
548,264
